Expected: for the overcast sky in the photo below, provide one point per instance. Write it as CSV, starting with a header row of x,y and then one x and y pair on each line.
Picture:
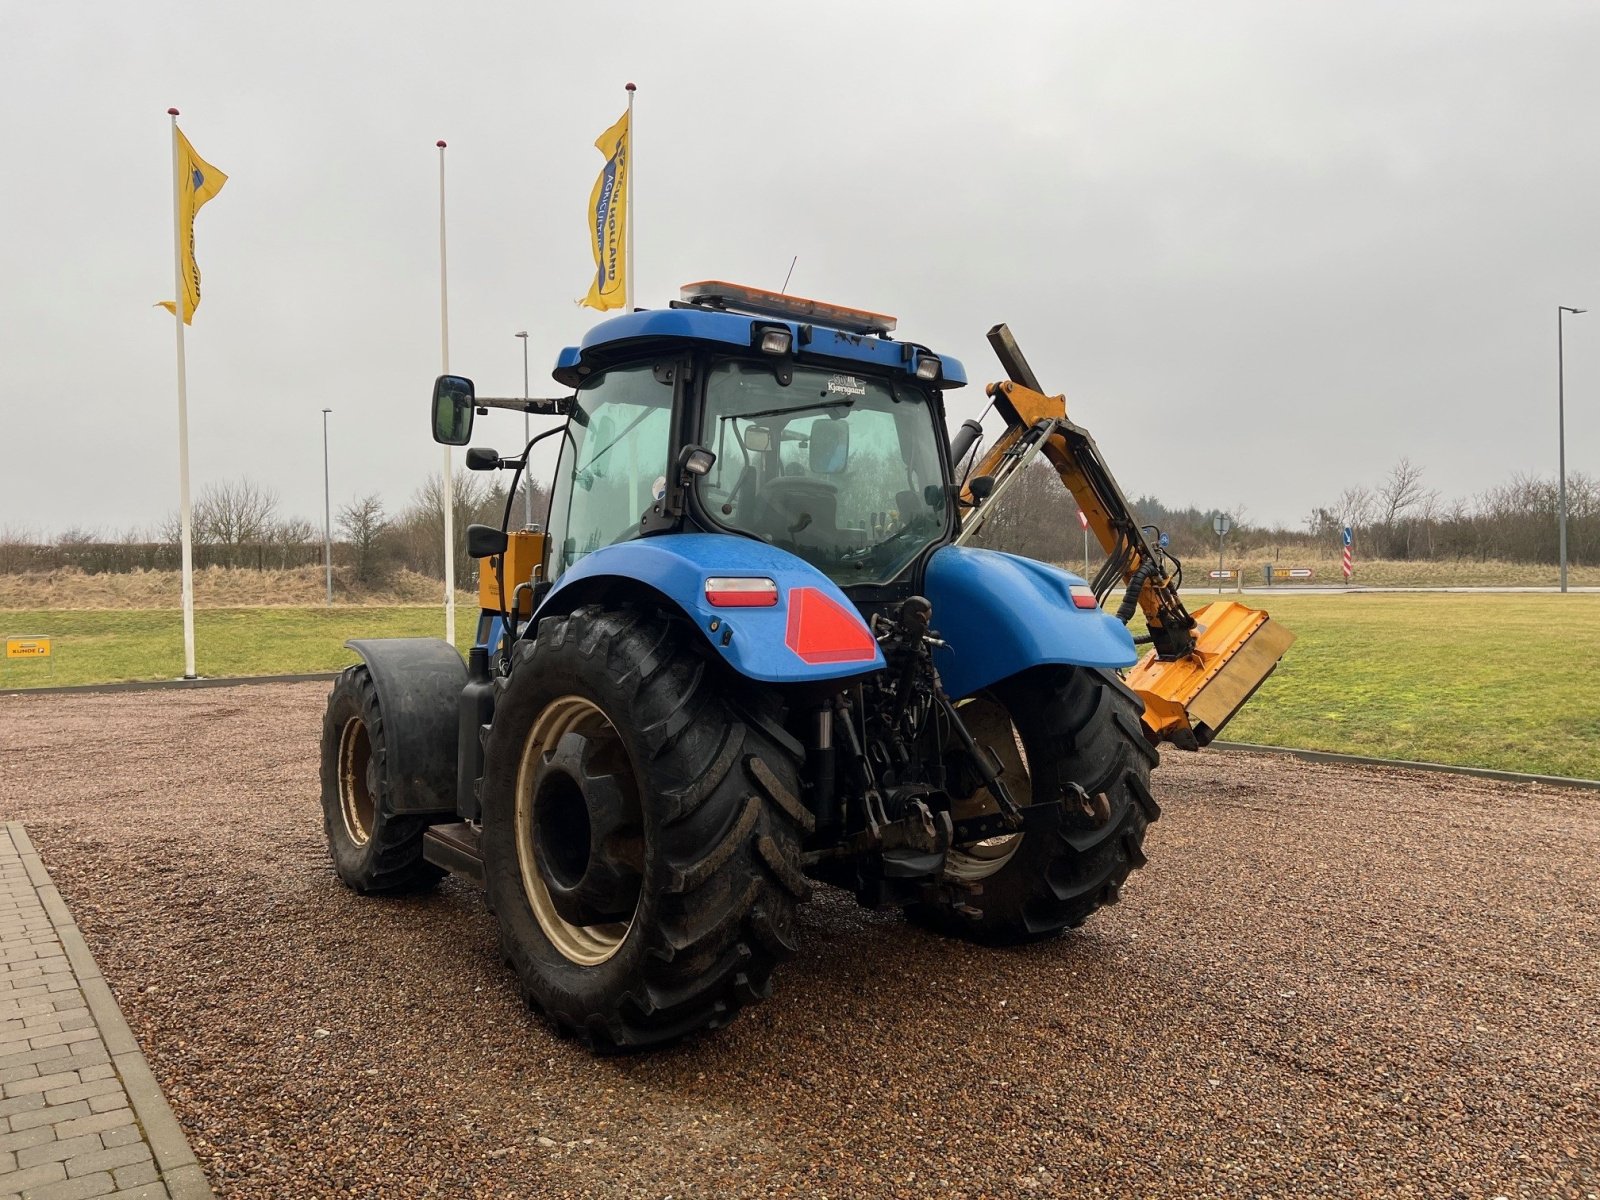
x,y
1265,249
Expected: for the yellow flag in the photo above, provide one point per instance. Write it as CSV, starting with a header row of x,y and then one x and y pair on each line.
x,y
196,183
608,220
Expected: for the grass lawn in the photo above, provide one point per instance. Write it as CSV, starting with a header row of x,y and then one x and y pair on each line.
x,y
1506,681
1487,680
117,644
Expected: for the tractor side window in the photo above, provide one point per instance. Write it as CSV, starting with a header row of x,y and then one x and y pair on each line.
x,y
613,461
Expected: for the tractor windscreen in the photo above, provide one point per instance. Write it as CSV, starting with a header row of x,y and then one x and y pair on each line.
x,y
839,469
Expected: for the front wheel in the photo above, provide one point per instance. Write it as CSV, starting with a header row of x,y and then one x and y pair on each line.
x,y
641,838
1051,728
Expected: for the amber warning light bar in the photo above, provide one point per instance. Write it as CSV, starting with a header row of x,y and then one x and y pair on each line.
x,y
735,297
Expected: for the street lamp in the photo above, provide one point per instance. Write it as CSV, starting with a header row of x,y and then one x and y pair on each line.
x,y
527,481
327,509
1561,433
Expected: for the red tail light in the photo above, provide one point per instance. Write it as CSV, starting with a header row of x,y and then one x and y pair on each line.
x,y
822,631
1083,596
736,592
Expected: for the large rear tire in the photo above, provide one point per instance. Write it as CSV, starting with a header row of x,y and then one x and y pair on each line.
x,y
1076,726
641,835
373,849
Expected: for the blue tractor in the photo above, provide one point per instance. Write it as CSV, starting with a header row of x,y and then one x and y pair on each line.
x,y
748,652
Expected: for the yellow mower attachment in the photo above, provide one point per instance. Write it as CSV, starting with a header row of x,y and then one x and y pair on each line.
x,y
1204,666
1187,701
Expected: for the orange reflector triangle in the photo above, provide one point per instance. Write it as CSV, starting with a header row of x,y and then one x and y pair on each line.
x,y
821,631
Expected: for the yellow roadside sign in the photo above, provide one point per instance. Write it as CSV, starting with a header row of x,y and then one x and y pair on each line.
x,y
27,647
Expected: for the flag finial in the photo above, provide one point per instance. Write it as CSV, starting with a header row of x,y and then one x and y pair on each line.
x,y
439,144
631,88
172,112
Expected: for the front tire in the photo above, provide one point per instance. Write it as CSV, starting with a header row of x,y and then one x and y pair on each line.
x,y
1076,726
641,837
373,849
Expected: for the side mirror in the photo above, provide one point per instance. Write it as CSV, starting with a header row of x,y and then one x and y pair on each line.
x,y
485,541
453,397
830,446
481,458
981,488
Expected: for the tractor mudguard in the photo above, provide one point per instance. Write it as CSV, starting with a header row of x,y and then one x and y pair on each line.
x,y
1002,614
813,632
419,682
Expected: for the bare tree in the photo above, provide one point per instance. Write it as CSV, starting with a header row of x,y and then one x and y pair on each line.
x,y
363,525
235,513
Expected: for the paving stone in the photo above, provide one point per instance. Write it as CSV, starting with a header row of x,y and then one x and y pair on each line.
x,y
74,1189
83,1091
105,1160
122,1135
94,1122
136,1174
59,1150
22,1139
37,1176
44,1115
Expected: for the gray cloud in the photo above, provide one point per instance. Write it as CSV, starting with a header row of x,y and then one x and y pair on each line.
x,y
1265,249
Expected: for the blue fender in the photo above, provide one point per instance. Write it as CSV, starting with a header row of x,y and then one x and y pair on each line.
x,y
764,644
1001,614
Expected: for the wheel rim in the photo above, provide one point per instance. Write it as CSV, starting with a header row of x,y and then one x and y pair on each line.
x,y
991,726
587,945
355,781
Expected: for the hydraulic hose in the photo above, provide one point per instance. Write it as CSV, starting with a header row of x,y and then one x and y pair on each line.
x,y
1136,582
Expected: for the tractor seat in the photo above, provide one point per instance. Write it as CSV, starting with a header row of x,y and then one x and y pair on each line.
x,y
797,510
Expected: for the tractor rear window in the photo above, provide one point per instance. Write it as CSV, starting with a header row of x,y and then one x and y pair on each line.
x,y
839,469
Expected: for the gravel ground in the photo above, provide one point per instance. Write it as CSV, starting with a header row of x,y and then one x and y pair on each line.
x,y
1330,982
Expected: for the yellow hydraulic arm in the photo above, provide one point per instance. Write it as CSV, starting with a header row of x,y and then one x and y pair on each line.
x,y
1202,667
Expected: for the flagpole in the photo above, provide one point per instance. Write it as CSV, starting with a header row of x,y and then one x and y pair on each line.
x,y
633,206
186,536
449,496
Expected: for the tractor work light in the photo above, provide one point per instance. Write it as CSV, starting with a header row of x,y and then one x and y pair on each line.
x,y
732,591
927,367
697,460
1083,596
775,341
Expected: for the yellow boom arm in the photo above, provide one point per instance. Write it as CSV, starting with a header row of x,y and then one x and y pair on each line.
x,y
1202,667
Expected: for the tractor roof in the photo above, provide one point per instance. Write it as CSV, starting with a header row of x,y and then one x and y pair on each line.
x,y
728,315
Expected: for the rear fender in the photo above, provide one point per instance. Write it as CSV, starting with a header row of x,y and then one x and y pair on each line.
x,y
419,682
779,644
1001,614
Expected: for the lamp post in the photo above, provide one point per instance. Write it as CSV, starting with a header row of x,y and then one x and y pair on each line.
x,y
527,486
327,510
1561,433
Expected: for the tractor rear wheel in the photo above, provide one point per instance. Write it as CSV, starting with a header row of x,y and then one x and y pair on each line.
x,y
641,835
373,849
1051,728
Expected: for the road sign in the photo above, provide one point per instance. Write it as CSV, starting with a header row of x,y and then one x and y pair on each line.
x,y
1224,574
1222,522
1164,540
27,647
1299,572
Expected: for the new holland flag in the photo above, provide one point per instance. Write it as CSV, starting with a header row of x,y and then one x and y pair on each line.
x,y
196,183
608,220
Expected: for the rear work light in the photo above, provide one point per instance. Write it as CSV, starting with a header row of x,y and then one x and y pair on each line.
x,y
1083,596
737,592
